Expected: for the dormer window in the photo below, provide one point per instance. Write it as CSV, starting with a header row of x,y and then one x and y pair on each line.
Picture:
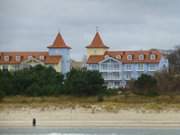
x,y
18,58
118,57
152,56
30,57
6,58
129,57
141,57
41,57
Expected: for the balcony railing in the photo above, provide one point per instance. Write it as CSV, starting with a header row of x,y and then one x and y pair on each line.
x,y
112,78
110,67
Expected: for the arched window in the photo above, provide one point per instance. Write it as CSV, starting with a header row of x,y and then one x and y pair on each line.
x,y
152,56
18,58
6,58
129,57
141,57
41,57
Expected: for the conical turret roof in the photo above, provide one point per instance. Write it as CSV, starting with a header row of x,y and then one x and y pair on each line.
x,y
59,42
97,42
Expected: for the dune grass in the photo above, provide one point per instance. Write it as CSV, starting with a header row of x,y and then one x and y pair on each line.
x,y
110,103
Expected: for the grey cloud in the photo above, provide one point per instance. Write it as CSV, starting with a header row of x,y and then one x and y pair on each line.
x,y
124,24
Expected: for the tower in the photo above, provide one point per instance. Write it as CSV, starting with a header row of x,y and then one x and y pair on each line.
x,y
60,48
97,47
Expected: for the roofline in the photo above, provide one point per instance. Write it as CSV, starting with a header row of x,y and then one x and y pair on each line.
x,y
23,51
59,47
110,57
132,62
97,47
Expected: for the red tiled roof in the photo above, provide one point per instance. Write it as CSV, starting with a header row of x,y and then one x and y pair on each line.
x,y
52,60
59,42
24,56
93,59
97,42
122,56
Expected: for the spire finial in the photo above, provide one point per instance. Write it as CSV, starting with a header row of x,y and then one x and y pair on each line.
x,y
97,29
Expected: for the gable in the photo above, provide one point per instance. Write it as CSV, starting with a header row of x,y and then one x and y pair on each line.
x,y
32,62
110,60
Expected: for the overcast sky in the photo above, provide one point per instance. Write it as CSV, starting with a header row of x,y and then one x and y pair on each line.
x,y
31,25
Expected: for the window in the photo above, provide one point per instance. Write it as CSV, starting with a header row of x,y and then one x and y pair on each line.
x,y
94,66
141,57
140,67
6,58
129,57
152,67
5,67
128,76
18,58
117,84
41,57
16,67
104,66
115,66
128,66
152,56
164,67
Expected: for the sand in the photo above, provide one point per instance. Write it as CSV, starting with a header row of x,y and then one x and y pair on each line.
x,y
81,117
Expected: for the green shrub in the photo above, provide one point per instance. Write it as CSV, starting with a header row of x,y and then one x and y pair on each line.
x,y
45,81
84,83
146,85
36,81
34,90
2,94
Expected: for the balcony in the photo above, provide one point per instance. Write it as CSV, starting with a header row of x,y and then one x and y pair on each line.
x,y
112,76
110,68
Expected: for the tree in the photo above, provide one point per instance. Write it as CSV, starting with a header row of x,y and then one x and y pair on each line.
x,y
81,82
6,82
34,90
174,60
45,81
146,85
36,81
2,94
168,83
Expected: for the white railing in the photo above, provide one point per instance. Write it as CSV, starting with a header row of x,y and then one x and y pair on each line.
x,y
109,67
112,76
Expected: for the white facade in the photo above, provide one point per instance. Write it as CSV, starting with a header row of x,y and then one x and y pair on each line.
x,y
116,74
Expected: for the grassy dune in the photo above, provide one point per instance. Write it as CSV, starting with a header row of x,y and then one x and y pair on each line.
x,y
111,104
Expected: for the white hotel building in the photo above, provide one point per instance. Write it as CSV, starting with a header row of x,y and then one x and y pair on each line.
x,y
117,67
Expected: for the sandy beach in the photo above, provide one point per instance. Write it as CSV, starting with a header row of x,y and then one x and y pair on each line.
x,y
82,117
